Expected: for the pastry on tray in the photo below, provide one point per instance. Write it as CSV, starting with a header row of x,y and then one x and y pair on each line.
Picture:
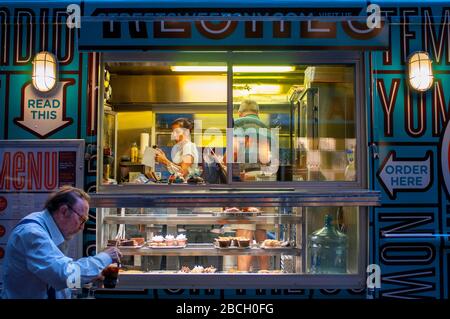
x,y
128,242
139,240
157,241
271,243
185,269
244,211
122,242
243,242
209,270
113,242
169,240
197,270
224,242
235,241
232,210
180,240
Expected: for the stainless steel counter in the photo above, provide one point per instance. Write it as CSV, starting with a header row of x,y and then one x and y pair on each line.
x,y
186,196
233,280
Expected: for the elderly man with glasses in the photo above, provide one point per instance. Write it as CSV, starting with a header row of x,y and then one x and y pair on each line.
x,y
36,265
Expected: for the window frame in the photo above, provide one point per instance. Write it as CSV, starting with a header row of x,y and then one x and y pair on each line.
x,y
354,58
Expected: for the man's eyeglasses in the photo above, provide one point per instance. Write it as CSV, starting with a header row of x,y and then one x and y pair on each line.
x,y
83,218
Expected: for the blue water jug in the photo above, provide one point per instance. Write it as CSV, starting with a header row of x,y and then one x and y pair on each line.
x,y
328,250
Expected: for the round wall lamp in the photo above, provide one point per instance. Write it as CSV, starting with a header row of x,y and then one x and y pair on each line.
x,y
44,74
420,73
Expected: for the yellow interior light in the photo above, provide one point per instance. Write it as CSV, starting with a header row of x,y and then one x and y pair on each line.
x,y
261,77
212,89
198,68
236,68
263,68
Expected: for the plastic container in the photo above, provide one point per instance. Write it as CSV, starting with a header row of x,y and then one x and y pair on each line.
x,y
134,153
327,249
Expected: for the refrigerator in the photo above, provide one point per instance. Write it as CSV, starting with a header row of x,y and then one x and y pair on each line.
x,y
324,125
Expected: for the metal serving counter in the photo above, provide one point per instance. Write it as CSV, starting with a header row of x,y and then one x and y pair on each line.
x,y
167,280
221,197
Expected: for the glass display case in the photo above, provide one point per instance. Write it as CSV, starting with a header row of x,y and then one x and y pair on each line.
x,y
190,244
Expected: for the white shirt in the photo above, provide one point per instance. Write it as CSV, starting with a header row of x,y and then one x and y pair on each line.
x,y
182,149
33,261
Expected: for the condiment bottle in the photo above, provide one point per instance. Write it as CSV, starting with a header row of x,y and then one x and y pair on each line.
x,y
134,153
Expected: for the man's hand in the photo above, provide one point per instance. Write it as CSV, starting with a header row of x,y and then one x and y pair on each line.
x,y
160,157
98,281
114,253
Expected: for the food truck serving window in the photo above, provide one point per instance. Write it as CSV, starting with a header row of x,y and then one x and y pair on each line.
x,y
235,163
231,122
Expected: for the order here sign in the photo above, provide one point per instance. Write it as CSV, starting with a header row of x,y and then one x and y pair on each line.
x,y
412,174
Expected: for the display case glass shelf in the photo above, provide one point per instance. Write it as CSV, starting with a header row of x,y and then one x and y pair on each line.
x,y
264,243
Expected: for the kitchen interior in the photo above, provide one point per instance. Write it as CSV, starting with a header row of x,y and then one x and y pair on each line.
x,y
313,106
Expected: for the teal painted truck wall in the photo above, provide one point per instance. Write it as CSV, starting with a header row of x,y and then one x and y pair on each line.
x,y
411,127
402,127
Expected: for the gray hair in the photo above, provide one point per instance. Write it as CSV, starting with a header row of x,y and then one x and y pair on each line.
x,y
65,195
249,106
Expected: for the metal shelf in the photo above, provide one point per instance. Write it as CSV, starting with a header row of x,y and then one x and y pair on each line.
x,y
201,219
208,250
184,195
234,280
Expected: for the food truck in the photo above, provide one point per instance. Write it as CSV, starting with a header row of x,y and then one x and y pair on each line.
x,y
290,149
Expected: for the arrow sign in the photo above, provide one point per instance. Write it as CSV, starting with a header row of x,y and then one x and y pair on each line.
x,y
43,114
412,175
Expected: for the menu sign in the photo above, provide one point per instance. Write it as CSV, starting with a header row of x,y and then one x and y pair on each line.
x,y
29,171
66,168
36,166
